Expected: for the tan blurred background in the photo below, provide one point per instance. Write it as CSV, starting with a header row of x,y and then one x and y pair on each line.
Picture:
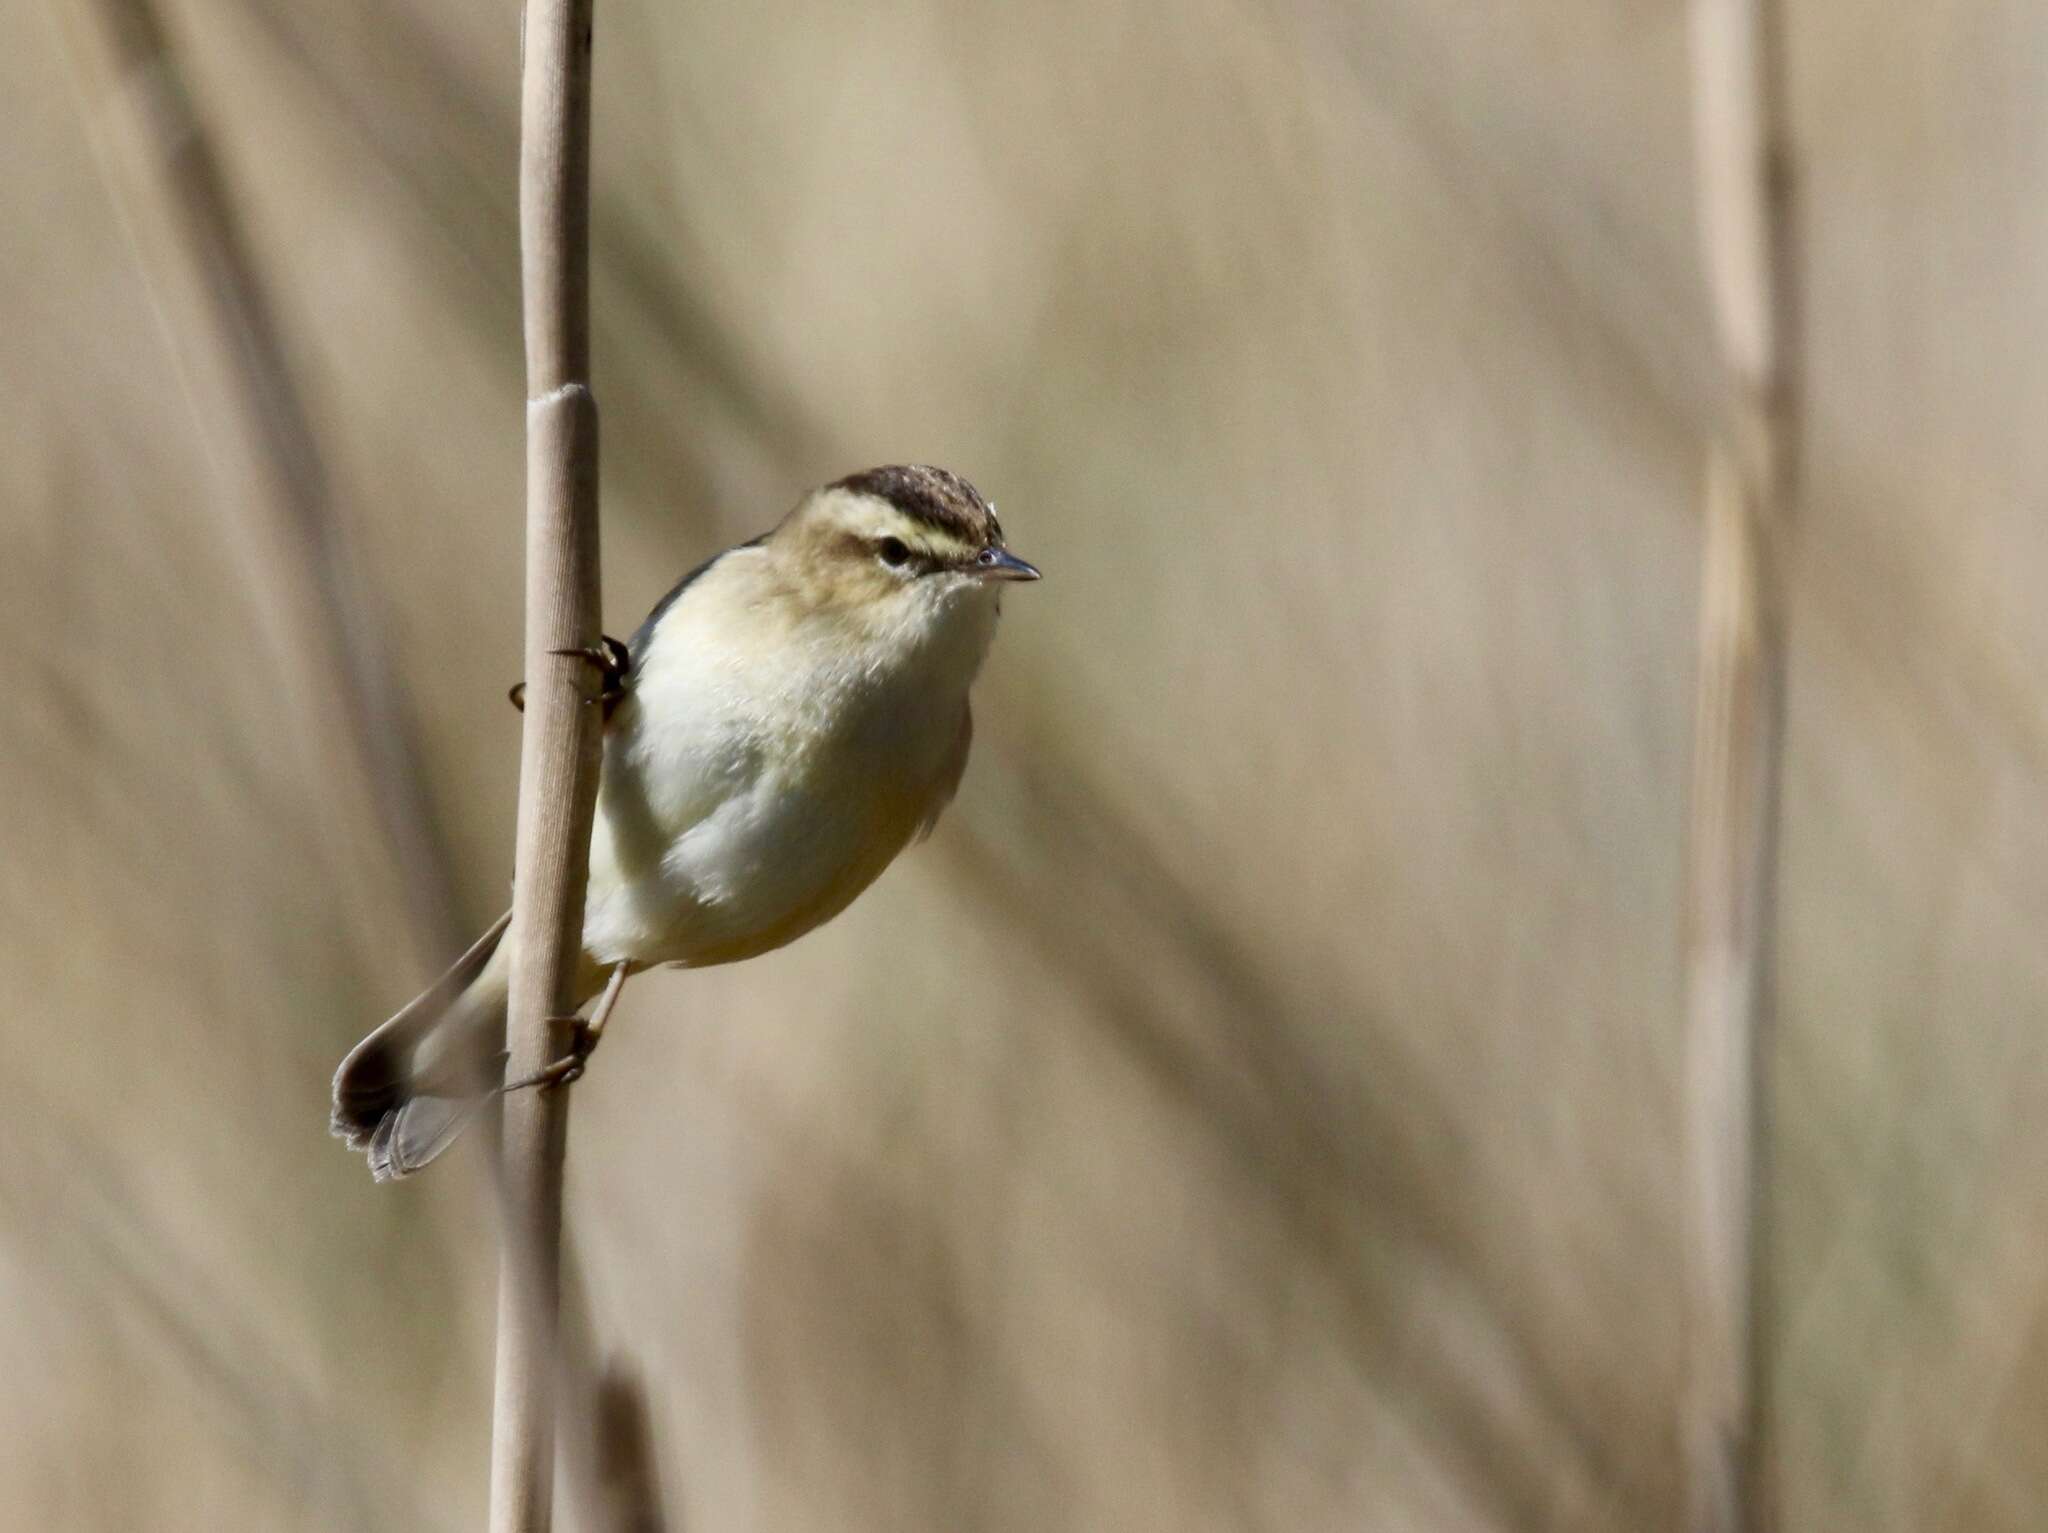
x,y
1257,1106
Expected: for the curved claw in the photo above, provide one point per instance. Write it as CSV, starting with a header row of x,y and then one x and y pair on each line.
x,y
614,663
583,1039
567,1070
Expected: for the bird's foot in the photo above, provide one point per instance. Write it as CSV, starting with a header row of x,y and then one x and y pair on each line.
x,y
567,1070
612,659
583,1038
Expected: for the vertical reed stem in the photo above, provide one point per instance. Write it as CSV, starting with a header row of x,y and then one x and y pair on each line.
x,y
559,741
1744,196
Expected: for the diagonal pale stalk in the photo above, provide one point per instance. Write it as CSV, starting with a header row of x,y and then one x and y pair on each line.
x,y
559,743
1746,227
1732,851
275,494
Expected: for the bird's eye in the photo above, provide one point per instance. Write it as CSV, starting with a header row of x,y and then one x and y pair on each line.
x,y
893,552
986,556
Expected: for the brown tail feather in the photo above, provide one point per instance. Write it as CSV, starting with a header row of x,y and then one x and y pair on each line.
x,y
406,1091
421,1127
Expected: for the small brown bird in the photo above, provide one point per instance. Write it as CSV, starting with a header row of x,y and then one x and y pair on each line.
x,y
787,719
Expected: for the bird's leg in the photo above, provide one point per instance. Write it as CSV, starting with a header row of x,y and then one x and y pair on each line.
x,y
583,1039
612,659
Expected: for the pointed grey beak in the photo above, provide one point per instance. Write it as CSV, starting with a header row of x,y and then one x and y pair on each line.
x,y
1001,564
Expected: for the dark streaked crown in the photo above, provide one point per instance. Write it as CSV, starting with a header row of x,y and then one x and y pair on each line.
x,y
937,497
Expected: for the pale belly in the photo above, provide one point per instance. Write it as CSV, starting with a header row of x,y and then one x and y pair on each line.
x,y
733,838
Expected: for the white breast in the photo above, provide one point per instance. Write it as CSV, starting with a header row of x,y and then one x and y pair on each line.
x,y
749,772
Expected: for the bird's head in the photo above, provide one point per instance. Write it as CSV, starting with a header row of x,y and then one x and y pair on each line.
x,y
901,547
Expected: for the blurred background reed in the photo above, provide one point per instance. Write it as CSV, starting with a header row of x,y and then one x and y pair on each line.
x,y
1282,1129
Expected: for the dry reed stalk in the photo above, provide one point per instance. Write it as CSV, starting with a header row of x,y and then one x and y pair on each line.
x,y
608,1450
168,189
559,742
1746,226
625,1490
